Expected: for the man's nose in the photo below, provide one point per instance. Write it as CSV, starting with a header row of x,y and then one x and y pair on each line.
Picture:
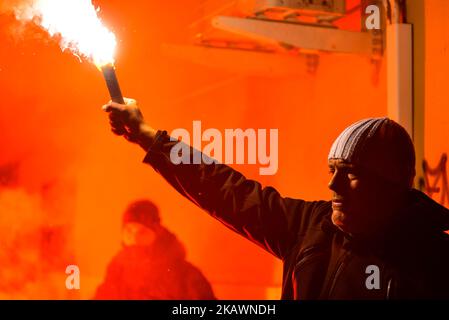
x,y
337,182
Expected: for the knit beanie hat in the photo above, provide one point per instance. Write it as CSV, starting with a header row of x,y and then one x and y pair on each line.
x,y
380,145
144,212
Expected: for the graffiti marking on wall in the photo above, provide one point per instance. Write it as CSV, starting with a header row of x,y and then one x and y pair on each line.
x,y
440,180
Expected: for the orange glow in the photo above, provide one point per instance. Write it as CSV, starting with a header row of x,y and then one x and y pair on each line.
x,y
65,179
85,177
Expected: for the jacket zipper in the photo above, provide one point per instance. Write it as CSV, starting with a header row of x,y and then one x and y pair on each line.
x,y
390,282
389,288
391,285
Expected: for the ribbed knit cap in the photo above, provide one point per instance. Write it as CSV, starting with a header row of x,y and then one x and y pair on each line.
x,y
380,145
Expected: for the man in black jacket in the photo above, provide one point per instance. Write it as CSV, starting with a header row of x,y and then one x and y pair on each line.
x,y
377,239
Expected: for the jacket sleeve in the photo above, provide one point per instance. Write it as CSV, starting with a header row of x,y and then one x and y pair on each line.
x,y
260,214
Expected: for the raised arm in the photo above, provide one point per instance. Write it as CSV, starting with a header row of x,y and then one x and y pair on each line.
x,y
259,214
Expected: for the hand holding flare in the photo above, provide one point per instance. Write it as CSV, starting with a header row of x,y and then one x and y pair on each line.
x,y
127,120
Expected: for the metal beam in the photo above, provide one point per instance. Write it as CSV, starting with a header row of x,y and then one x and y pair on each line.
x,y
297,35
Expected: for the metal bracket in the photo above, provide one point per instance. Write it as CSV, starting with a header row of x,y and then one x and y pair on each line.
x,y
311,38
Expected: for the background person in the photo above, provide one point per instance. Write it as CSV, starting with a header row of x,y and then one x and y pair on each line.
x,y
152,263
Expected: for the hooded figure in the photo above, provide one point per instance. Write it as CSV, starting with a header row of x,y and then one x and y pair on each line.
x,y
152,263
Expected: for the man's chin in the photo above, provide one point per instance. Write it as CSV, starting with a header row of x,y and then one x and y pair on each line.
x,y
340,220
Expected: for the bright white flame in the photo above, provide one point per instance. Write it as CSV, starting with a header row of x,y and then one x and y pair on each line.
x,y
78,25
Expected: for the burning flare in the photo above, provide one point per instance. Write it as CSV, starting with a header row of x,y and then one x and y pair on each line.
x,y
77,23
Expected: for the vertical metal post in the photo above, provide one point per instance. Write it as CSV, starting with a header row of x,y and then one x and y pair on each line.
x,y
416,16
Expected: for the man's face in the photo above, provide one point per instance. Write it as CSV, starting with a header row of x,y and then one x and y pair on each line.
x,y
357,198
136,234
